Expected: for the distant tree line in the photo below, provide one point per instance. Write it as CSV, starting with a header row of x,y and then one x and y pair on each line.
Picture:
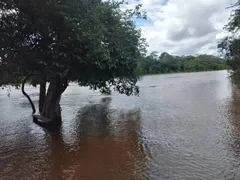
x,y
166,63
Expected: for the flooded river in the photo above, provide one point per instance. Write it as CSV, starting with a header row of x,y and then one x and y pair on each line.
x,y
182,126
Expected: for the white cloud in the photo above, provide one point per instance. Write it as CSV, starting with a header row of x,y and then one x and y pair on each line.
x,y
183,27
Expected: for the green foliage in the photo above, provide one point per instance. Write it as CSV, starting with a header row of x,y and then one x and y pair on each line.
x,y
230,45
91,42
166,63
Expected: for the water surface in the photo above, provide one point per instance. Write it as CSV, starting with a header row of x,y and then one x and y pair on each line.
x,y
182,126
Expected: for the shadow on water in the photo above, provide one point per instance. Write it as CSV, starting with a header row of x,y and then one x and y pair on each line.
x,y
107,145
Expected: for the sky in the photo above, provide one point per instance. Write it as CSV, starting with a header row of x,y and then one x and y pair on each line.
x,y
183,27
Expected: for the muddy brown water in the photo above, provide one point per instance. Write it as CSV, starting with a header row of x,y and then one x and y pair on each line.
x,y
182,126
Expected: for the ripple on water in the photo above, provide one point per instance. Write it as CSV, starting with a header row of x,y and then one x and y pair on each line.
x,y
183,126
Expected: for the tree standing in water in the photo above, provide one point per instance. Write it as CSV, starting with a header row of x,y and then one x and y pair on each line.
x,y
91,42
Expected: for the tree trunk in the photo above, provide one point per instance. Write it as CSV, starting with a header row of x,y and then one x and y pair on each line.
x,y
51,108
42,95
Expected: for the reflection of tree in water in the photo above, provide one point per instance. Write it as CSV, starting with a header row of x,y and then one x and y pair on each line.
x,y
107,146
234,122
93,120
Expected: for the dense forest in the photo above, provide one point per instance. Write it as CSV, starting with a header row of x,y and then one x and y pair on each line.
x,y
166,63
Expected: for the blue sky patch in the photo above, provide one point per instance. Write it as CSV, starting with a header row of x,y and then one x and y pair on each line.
x,y
142,22
164,2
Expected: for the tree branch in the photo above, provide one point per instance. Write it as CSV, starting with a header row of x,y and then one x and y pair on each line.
x,y
29,99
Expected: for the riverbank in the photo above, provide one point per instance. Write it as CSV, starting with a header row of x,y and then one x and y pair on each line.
x,y
184,72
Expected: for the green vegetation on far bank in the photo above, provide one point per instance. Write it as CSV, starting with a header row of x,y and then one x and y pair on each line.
x,y
166,63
